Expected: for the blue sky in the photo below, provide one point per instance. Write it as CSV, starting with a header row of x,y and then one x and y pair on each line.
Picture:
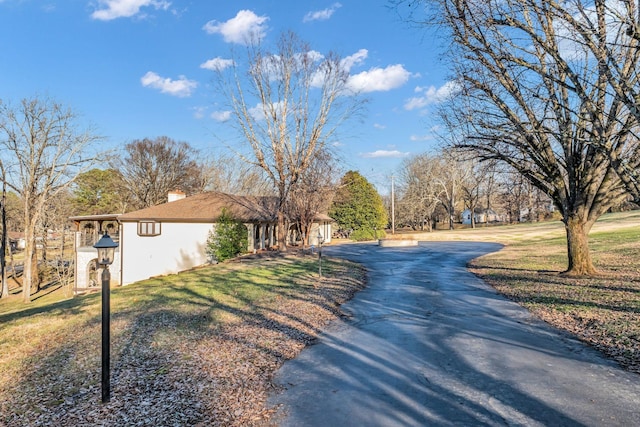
x,y
138,68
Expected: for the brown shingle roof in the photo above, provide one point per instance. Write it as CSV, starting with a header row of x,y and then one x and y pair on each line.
x,y
207,207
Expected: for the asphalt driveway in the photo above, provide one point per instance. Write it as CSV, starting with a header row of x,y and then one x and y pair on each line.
x,y
427,343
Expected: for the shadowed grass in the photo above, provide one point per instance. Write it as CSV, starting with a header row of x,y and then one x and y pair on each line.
x,y
50,364
603,310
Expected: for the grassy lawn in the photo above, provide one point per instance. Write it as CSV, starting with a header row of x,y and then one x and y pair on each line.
x,y
198,347
603,311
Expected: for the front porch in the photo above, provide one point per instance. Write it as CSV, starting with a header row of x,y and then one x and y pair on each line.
x,y
89,229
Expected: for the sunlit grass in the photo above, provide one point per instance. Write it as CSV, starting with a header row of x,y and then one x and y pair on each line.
x,y
603,310
59,338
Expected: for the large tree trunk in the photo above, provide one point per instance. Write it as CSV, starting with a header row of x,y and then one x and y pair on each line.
x,y
27,273
35,271
282,231
3,244
30,264
306,230
580,263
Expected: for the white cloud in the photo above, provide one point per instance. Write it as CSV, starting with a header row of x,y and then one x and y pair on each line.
x,y
113,9
181,87
321,15
432,95
384,153
217,64
379,79
241,29
379,126
198,112
221,116
427,137
312,55
355,59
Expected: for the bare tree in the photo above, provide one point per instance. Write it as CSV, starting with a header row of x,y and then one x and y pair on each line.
x,y
421,190
151,168
228,174
55,227
291,103
609,31
44,152
491,174
313,193
471,186
535,98
513,195
450,180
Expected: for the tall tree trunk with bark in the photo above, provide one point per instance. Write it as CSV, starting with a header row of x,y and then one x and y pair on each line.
x,y
282,231
580,263
5,238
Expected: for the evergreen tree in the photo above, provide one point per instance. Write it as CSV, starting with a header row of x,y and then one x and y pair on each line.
x,y
358,207
97,192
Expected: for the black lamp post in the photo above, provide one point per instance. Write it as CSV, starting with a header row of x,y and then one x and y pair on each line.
x,y
106,250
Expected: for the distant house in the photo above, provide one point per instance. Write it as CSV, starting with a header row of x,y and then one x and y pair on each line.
x,y
481,216
16,241
171,237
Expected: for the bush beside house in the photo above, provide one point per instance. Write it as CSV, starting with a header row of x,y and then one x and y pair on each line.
x,y
227,239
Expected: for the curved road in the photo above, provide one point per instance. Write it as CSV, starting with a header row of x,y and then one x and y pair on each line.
x,y
427,343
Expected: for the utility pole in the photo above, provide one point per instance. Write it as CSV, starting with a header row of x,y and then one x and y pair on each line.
x,y
393,208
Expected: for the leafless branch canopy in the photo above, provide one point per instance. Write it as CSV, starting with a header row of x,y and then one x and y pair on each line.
x,y
44,151
533,94
551,89
287,107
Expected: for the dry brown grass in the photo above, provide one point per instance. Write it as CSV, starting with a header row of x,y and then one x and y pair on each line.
x,y
198,348
603,311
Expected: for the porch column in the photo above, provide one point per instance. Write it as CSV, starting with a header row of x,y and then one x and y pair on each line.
x,y
272,240
263,232
250,238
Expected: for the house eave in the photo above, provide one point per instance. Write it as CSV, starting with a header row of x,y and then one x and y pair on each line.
x,y
101,217
191,220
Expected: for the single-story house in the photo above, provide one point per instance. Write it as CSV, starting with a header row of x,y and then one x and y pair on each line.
x,y
16,241
171,237
481,216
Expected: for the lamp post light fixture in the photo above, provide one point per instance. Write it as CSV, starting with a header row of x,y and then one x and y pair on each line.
x,y
106,249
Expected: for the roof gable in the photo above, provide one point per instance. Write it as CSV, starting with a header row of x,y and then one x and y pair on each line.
x,y
207,207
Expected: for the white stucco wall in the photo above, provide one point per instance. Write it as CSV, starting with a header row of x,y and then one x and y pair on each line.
x,y
84,256
325,231
179,247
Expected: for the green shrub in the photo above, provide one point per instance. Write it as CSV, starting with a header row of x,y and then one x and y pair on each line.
x,y
367,234
227,239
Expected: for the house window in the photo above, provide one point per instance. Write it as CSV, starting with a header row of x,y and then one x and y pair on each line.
x,y
148,228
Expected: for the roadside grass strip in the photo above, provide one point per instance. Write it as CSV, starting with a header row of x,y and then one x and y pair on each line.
x,y
198,347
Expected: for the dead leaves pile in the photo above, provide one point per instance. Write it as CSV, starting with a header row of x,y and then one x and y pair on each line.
x,y
164,374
